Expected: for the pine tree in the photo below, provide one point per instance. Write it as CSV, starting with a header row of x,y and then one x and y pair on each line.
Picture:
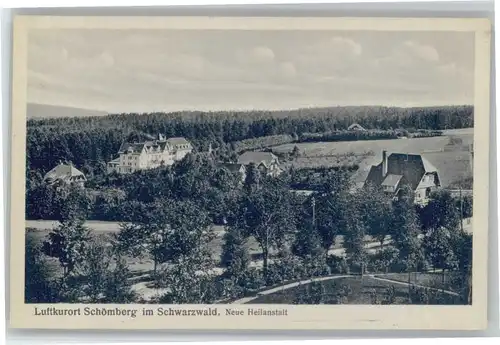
x,y
235,256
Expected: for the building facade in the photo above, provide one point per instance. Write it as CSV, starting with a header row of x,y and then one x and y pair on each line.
x,y
266,162
234,168
65,174
149,154
401,169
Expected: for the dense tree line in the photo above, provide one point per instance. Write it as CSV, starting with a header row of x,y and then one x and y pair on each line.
x,y
346,135
90,142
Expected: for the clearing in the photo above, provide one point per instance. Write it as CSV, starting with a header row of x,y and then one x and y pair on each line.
x,y
368,152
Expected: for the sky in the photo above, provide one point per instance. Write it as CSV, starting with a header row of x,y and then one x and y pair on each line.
x,y
170,70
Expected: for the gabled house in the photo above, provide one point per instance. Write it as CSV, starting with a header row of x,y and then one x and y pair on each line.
x,y
266,162
149,154
65,174
235,169
401,169
355,127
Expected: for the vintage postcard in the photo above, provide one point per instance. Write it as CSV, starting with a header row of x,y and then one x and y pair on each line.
x,y
249,173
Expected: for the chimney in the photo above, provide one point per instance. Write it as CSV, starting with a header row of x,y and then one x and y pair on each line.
x,y
384,162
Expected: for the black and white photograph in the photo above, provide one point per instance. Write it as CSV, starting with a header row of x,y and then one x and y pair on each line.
x,y
249,167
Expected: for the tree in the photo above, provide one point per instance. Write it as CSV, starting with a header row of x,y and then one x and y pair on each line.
x,y
405,230
39,284
438,245
68,243
386,257
266,214
441,211
252,178
104,274
40,201
307,242
167,231
354,239
72,204
235,256
118,287
376,212
191,280
332,209
94,270
463,251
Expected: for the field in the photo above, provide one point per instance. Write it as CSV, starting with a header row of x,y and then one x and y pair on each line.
x,y
361,291
368,152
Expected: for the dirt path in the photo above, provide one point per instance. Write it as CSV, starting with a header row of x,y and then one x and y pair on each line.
x,y
319,279
447,292
288,286
94,225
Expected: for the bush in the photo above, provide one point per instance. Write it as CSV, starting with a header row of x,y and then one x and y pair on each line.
x,y
262,142
39,285
348,136
372,134
337,264
283,269
385,260
389,295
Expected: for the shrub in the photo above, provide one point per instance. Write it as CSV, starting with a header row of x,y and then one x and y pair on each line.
x,y
384,260
39,285
262,142
337,264
389,295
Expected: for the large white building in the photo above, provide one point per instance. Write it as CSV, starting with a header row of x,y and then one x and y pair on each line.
x,y
149,154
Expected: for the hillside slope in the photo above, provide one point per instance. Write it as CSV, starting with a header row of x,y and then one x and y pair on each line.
x,y
35,110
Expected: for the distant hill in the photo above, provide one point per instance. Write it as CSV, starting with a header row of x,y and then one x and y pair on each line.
x,y
35,110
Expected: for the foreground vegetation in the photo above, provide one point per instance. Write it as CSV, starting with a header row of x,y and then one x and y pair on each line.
x,y
294,234
357,290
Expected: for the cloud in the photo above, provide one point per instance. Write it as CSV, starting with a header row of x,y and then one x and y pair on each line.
x,y
162,69
263,54
287,69
346,45
256,55
424,52
107,59
64,54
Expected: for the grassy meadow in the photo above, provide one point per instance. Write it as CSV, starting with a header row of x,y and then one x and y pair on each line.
x,y
368,152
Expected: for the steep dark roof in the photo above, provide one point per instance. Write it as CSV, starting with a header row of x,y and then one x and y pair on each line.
x,y
453,166
410,166
131,147
392,180
233,167
64,172
257,158
156,145
159,145
178,141
355,126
